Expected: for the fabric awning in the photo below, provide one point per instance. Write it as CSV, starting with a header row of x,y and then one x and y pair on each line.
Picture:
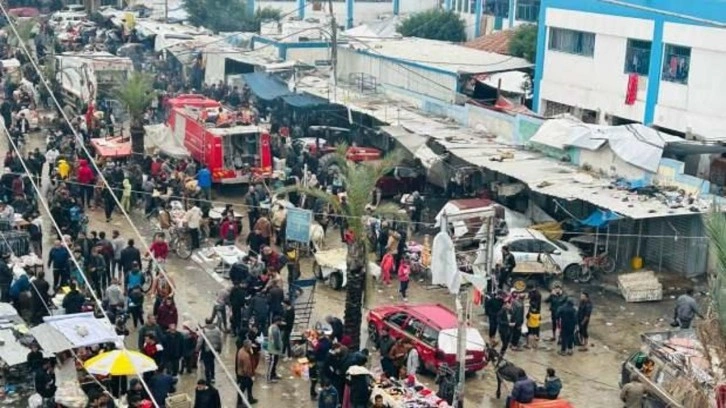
x,y
304,100
49,339
265,86
82,329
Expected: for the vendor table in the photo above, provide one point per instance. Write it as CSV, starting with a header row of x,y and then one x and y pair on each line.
x,y
399,396
226,255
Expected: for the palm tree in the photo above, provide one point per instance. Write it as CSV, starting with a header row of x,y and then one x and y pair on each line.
x,y
360,182
136,94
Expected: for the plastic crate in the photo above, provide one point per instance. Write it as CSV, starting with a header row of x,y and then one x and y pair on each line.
x,y
178,401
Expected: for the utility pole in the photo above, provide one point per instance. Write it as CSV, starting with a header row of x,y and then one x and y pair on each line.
x,y
333,48
166,11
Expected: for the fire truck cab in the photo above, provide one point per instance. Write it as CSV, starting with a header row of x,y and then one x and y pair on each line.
x,y
233,150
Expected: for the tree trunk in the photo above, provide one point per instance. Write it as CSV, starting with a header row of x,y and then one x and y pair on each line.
x,y
353,314
137,142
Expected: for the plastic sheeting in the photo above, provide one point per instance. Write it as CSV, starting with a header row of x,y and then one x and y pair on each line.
x,y
303,101
636,144
82,329
600,218
265,86
444,270
162,138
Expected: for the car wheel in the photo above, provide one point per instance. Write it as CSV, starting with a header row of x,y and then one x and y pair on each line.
x,y
585,275
573,271
336,280
519,284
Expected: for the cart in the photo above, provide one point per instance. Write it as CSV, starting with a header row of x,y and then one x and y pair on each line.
x,y
544,271
331,265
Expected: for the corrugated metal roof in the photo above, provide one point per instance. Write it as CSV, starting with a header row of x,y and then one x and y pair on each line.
x,y
541,174
442,55
12,352
50,339
497,42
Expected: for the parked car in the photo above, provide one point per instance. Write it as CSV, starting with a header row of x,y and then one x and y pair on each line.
x,y
401,180
527,244
434,331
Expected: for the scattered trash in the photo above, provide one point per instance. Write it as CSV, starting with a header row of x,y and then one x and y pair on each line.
x,y
608,324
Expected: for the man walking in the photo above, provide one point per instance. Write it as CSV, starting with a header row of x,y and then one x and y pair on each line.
x,y
584,310
274,348
193,219
686,309
568,319
518,317
204,181
212,333
245,372
506,325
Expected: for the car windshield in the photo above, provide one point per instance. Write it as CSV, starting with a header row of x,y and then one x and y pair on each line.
x,y
559,245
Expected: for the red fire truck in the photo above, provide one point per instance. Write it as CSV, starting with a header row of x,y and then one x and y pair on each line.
x,y
216,137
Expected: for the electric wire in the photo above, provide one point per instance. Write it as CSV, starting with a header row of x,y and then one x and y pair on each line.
x,y
45,205
158,267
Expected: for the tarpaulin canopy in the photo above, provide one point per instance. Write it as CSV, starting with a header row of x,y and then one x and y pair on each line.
x,y
599,218
303,101
265,86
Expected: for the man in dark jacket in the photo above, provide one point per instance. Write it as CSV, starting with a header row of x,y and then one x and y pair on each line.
x,y
237,297
556,299
73,301
337,326
584,310
360,386
45,380
568,319
518,317
492,306
39,289
505,322
385,343
58,257
173,343
161,385
6,278
288,323
129,255
206,396
523,390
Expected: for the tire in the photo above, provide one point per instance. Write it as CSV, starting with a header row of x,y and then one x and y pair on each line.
x,y
336,280
585,275
573,271
183,248
608,265
519,284
148,281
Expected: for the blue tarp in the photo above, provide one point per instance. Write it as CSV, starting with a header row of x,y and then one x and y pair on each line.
x,y
304,101
600,218
265,86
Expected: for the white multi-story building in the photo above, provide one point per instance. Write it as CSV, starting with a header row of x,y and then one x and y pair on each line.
x,y
658,62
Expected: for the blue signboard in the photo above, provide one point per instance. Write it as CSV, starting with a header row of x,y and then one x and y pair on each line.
x,y
298,224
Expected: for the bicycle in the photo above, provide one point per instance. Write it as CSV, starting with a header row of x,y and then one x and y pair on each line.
x,y
180,242
149,276
601,263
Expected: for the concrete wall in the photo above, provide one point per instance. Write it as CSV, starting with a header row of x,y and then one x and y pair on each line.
x,y
670,173
598,82
307,55
699,103
604,159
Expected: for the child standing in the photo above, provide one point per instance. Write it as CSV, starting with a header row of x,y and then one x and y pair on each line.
x,y
533,323
404,271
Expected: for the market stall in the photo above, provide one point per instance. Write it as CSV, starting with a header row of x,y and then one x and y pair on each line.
x,y
117,147
224,256
399,394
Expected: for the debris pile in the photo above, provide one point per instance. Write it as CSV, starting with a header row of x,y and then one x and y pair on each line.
x,y
640,287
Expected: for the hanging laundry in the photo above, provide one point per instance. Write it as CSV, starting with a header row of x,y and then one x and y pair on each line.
x,y
632,92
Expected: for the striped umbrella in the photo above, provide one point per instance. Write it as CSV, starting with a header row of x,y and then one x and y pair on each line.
x,y
120,362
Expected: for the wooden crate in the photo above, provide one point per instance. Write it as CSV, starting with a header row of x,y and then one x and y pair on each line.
x,y
178,401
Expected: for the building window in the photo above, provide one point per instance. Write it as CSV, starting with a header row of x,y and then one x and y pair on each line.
x,y
572,42
528,10
676,63
497,8
637,57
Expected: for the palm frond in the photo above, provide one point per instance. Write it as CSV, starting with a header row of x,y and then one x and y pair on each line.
x,y
390,211
137,94
716,232
311,192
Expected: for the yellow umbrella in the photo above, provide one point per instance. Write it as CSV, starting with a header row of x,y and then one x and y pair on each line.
x,y
120,362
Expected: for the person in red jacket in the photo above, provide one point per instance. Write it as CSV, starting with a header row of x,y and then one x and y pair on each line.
x,y
228,231
387,266
156,167
167,313
159,248
86,178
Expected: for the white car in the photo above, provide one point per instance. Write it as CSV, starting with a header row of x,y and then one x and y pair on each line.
x,y
526,244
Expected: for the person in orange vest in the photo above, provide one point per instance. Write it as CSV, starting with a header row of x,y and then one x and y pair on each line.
x,y
222,117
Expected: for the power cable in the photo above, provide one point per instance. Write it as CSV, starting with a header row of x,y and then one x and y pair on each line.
x,y
45,205
100,175
50,313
